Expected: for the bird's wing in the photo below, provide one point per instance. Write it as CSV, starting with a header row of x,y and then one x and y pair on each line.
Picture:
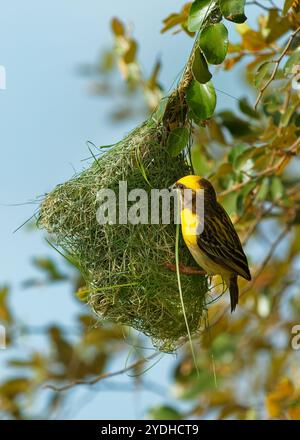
x,y
220,242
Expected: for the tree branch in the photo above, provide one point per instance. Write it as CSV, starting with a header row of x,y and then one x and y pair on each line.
x,y
276,62
270,170
102,376
185,270
265,8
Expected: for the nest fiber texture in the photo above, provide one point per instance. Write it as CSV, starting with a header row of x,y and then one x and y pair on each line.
x,y
124,265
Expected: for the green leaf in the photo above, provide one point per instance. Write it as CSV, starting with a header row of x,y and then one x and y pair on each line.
x,y
242,197
276,188
223,344
272,105
233,10
242,160
177,140
297,120
200,69
262,74
247,109
288,114
229,202
190,385
236,126
83,294
164,413
201,164
235,152
264,189
201,99
214,43
199,12
294,60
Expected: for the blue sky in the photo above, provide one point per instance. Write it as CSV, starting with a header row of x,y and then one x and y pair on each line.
x,y
47,115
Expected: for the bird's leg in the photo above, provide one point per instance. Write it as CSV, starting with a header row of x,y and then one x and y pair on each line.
x,y
184,269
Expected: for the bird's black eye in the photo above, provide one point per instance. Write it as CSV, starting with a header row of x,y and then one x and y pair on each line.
x,y
180,186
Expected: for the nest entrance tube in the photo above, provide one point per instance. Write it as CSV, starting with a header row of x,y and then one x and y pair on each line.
x,y
124,265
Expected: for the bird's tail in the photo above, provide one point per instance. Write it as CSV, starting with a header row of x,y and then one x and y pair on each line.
x,y
234,291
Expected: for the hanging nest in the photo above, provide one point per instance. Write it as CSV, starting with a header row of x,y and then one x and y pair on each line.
x,y
125,266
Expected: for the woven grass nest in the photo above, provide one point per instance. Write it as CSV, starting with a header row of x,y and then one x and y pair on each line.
x,y
124,266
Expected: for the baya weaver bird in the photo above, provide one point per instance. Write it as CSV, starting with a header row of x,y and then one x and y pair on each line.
x,y
217,249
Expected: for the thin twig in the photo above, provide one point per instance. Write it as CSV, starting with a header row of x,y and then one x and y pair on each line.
x,y
260,53
233,188
268,257
260,215
273,4
266,8
185,270
270,170
102,376
276,62
286,153
293,190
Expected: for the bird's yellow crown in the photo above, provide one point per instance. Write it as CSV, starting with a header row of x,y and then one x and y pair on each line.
x,y
195,183
192,182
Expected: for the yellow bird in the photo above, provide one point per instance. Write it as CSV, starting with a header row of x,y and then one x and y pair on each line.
x,y
217,249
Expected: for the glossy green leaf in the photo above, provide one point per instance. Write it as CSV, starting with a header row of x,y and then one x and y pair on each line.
x,y
214,43
200,68
201,99
233,10
177,140
199,11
